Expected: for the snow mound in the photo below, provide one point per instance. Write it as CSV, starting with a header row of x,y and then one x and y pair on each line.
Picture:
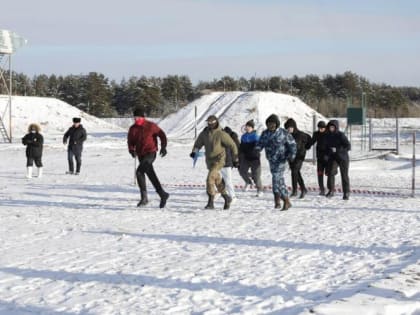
x,y
54,116
234,109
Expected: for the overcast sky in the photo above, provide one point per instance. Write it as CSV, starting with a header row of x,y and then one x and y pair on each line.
x,y
205,39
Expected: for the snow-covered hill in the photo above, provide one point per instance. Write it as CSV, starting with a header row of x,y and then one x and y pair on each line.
x,y
53,115
234,109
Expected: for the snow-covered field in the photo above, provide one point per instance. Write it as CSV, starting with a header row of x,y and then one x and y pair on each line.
x,y
79,245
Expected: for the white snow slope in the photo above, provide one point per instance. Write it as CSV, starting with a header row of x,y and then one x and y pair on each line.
x,y
234,109
79,245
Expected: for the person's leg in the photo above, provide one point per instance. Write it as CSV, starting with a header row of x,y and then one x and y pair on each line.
x,y
320,168
294,176
70,156
78,156
38,164
227,178
298,167
256,175
243,171
29,167
345,181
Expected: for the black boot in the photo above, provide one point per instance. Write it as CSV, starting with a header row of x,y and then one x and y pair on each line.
x,y
277,204
329,194
303,192
210,203
322,192
346,196
143,201
321,185
228,201
294,193
286,203
164,196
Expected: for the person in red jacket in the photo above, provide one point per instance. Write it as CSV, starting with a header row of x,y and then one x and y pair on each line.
x,y
142,143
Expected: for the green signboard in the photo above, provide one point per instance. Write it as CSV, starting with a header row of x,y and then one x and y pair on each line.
x,y
356,116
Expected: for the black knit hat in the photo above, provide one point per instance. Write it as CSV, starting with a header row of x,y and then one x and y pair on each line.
x,y
322,124
274,119
138,111
250,123
77,120
290,123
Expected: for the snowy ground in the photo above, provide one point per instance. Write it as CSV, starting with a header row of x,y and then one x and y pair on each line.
x,y
78,244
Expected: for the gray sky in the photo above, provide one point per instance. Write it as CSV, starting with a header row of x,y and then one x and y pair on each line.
x,y
205,39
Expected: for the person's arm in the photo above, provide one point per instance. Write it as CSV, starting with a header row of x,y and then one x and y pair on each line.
x,y
291,147
163,141
66,135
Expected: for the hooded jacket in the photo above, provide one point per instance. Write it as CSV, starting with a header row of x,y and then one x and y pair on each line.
x,y
215,141
142,137
338,142
229,154
34,142
303,140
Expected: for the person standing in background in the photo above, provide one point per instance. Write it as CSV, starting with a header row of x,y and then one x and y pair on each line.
x,y
75,135
34,142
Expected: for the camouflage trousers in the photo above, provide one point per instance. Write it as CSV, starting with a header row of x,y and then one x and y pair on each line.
x,y
277,173
215,180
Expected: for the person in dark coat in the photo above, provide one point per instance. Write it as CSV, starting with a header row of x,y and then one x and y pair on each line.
x,y
249,158
279,147
34,142
75,136
319,138
337,147
303,143
142,143
226,171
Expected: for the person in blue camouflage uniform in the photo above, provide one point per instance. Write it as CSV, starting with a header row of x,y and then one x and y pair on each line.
x,y
280,147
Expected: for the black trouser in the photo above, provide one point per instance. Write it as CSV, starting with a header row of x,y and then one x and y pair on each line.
x,y
344,172
321,170
30,161
255,166
295,168
146,168
76,152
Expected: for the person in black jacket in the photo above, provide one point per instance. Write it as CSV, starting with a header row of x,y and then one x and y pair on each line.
x,y
338,147
303,143
75,135
249,158
318,137
34,142
226,171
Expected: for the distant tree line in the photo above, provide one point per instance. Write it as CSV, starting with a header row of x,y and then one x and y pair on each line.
x,y
329,94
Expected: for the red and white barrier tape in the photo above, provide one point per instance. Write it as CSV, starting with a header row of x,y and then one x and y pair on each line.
x,y
315,189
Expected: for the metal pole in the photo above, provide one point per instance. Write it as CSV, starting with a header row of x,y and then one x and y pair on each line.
x,y
313,148
10,98
413,180
370,135
397,135
195,122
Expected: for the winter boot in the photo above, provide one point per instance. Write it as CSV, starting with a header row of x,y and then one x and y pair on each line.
x,y
39,172
277,204
210,203
286,203
321,185
143,201
346,196
164,196
329,194
228,201
303,193
29,172
294,193
322,192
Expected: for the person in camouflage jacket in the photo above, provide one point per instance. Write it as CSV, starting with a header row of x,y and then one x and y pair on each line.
x,y
215,140
280,147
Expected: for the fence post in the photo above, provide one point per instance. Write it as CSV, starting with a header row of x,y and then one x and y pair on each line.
x,y
413,180
313,147
370,134
397,126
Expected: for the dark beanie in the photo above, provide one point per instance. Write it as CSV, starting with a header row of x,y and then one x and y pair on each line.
x,y
138,111
250,123
77,119
290,123
322,124
273,118
212,118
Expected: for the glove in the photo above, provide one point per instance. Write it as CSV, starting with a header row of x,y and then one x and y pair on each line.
x,y
192,155
235,163
163,152
133,154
